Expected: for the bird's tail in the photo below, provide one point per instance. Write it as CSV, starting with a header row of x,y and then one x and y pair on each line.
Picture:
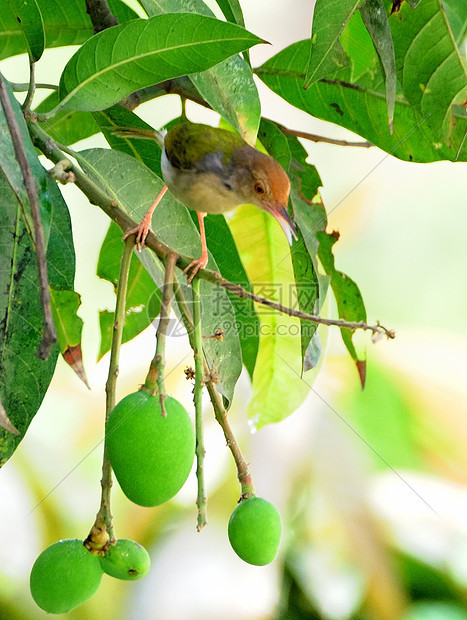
x,y
139,132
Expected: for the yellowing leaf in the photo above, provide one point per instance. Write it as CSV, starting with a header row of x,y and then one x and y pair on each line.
x,y
277,387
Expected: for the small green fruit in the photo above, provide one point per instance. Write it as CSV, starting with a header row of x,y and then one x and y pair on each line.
x,y
126,560
255,531
150,455
64,576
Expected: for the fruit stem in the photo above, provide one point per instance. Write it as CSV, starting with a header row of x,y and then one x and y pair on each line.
x,y
196,343
102,532
155,377
243,473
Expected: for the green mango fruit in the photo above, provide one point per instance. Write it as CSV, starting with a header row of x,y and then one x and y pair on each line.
x,y
151,455
126,560
255,531
64,576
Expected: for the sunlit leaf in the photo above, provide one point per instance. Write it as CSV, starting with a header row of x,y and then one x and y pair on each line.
x,y
277,385
122,59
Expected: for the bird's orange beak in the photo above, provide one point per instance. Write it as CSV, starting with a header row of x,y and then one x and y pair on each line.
x,y
279,211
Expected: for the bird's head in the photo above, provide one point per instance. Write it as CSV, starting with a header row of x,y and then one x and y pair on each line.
x,y
265,184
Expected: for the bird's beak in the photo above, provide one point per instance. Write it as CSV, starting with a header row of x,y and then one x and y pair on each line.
x,y
285,221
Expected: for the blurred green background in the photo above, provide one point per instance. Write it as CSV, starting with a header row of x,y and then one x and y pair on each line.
x,y
372,485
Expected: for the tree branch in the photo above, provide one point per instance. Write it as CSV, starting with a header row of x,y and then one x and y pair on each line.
x,y
100,15
110,207
50,335
315,138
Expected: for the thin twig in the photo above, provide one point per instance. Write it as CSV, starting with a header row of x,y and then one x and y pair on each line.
x,y
50,335
155,377
98,197
31,88
102,532
198,401
315,138
243,472
20,87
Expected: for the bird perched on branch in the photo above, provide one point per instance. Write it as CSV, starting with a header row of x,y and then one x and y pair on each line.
x,y
211,170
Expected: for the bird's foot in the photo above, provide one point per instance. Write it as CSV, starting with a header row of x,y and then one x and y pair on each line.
x,y
141,231
194,267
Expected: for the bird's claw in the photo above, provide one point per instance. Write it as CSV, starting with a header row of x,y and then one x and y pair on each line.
x,y
141,231
194,267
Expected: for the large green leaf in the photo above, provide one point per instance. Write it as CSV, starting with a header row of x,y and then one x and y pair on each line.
x,y
24,378
329,20
376,21
228,87
134,186
432,72
64,24
29,18
143,300
277,385
362,109
125,58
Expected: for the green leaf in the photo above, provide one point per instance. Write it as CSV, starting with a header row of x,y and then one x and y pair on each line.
x,y
69,326
232,11
329,20
29,18
134,187
24,378
122,59
67,127
277,385
432,72
143,299
376,21
228,87
456,13
359,47
350,306
146,151
362,109
63,25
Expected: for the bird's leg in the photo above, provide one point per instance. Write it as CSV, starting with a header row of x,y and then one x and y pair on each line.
x,y
144,227
201,262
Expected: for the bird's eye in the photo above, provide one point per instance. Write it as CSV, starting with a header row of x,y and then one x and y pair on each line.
x,y
259,189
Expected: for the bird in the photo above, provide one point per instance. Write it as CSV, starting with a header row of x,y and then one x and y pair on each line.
x,y
212,170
